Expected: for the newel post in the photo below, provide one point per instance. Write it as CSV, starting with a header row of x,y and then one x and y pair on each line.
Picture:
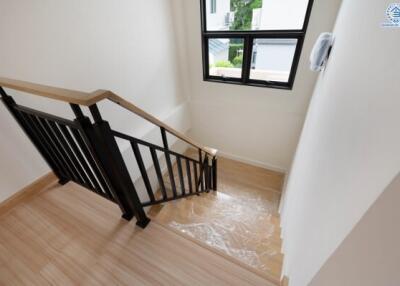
x,y
106,149
214,173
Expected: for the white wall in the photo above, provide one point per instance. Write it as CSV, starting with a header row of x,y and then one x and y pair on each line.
x,y
349,149
259,125
370,254
128,47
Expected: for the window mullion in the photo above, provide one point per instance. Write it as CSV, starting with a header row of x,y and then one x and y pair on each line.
x,y
205,51
296,60
247,58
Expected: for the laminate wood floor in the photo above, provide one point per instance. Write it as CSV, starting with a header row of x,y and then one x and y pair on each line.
x,y
67,235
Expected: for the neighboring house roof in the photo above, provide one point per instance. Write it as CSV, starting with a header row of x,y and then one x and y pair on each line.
x,y
216,46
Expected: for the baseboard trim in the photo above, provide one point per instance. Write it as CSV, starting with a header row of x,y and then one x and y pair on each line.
x,y
27,192
252,162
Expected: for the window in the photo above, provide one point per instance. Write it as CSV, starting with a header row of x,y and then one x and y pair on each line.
x,y
253,42
218,62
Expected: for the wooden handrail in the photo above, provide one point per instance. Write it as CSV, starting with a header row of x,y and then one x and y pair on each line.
x,y
62,94
140,112
90,98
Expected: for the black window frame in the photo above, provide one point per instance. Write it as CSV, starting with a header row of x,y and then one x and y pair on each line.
x,y
248,38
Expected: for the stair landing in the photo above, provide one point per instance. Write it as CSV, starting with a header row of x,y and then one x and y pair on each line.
x,y
239,221
66,235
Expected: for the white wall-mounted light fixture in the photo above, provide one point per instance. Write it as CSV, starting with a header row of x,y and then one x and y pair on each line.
x,y
320,53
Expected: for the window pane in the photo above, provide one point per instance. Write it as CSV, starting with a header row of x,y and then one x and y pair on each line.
x,y
225,57
240,15
272,59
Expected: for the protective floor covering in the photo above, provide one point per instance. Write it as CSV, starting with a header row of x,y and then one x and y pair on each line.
x,y
240,219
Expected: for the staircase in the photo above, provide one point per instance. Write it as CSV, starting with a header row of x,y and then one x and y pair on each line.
x,y
240,222
87,152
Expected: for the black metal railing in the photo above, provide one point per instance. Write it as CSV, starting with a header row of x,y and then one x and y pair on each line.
x,y
193,176
87,153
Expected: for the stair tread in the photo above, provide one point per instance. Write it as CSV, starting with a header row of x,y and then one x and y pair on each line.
x,y
196,210
274,278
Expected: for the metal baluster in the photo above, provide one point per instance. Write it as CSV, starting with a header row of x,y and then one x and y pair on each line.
x,y
158,172
168,160
206,173
77,168
48,129
214,170
181,180
89,177
196,178
143,170
51,144
201,171
26,126
94,164
46,146
189,175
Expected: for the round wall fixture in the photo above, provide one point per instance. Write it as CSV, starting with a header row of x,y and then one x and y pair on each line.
x,y
320,53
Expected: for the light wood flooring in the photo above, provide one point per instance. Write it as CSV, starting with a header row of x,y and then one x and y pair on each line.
x,y
67,235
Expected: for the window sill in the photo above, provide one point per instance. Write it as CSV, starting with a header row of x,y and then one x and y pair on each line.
x,y
285,86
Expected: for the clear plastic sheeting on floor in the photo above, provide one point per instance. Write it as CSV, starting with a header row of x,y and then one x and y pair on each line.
x,y
240,220
244,226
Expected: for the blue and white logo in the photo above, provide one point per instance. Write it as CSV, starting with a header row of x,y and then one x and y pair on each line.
x,y
393,16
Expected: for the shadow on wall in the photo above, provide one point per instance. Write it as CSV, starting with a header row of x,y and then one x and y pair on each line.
x,y
370,254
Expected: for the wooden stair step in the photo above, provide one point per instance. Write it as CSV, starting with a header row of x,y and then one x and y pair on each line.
x,y
205,202
191,216
239,221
